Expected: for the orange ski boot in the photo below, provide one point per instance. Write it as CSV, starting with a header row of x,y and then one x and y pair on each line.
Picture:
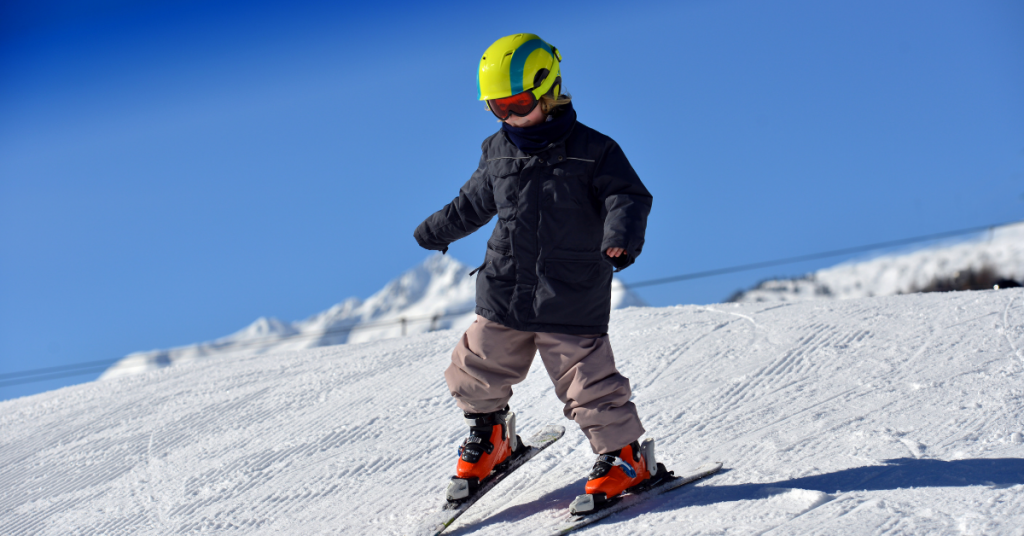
x,y
614,473
492,442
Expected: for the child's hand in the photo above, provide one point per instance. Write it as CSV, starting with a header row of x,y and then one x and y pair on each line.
x,y
614,252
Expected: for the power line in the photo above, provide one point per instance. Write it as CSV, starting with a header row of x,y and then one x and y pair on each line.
x,y
61,368
340,329
94,370
92,367
811,256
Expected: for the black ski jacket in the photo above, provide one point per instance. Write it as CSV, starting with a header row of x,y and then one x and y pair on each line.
x,y
558,211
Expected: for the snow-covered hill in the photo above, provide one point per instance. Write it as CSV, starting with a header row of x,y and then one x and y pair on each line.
x,y
1001,252
896,415
438,294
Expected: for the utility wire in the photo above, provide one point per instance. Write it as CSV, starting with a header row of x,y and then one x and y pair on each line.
x,y
335,330
811,256
94,370
92,367
57,369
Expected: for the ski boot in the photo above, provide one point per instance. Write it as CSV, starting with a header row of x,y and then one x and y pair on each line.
x,y
627,469
491,445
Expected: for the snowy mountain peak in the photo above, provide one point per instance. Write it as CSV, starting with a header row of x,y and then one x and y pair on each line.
x,y
438,277
439,263
263,327
338,311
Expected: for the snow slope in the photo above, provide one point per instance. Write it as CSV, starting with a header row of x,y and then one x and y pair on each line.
x,y
896,415
1001,250
438,294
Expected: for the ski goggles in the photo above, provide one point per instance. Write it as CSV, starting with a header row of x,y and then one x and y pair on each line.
x,y
520,104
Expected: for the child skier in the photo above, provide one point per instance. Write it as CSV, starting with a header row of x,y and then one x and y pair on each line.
x,y
570,209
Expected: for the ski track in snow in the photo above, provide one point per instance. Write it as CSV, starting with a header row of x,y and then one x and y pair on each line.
x,y
896,415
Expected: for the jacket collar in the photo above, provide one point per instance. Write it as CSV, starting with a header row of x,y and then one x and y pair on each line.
x,y
539,138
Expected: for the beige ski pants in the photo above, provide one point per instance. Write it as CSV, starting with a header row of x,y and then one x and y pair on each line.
x,y
490,358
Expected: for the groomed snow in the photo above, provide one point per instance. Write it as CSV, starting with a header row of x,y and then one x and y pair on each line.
x,y
895,415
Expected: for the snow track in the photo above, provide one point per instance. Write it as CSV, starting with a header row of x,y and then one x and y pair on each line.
x,y
898,415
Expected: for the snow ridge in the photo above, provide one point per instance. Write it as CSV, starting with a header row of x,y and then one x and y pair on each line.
x,y
1000,250
439,294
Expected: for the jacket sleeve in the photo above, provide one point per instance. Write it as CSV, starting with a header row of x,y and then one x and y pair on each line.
x,y
626,203
471,210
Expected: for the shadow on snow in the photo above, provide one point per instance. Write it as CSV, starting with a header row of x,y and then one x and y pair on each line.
x,y
896,474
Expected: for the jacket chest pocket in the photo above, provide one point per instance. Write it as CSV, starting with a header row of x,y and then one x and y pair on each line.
x,y
505,171
565,191
506,196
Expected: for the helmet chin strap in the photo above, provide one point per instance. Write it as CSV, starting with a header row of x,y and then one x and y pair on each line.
x,y
556,88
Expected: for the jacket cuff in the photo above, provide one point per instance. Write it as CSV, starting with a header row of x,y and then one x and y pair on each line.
x,y
621,262
422,238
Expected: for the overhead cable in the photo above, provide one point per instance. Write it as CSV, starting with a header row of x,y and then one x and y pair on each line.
x,y
811,256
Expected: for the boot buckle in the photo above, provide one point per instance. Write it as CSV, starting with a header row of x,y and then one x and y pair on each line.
x,y
616,461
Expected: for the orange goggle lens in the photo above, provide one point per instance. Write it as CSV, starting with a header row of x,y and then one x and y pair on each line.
x,y
520,104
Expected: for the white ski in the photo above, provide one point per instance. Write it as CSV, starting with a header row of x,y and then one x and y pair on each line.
x,y
437,523
668,483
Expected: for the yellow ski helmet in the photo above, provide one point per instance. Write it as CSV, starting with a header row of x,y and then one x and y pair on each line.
x,y
518,63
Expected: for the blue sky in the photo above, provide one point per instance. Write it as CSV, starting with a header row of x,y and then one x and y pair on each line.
x,y
170,171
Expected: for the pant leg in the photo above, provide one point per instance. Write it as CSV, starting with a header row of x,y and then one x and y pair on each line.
x,y
488,360
595,395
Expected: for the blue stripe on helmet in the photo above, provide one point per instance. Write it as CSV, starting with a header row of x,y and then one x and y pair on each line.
x,y
518,63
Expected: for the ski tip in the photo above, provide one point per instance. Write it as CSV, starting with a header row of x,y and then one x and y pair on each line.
x,y
553,429
710,466
548,433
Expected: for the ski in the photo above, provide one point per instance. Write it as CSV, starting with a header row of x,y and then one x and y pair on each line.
x,y
539,441
661,484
